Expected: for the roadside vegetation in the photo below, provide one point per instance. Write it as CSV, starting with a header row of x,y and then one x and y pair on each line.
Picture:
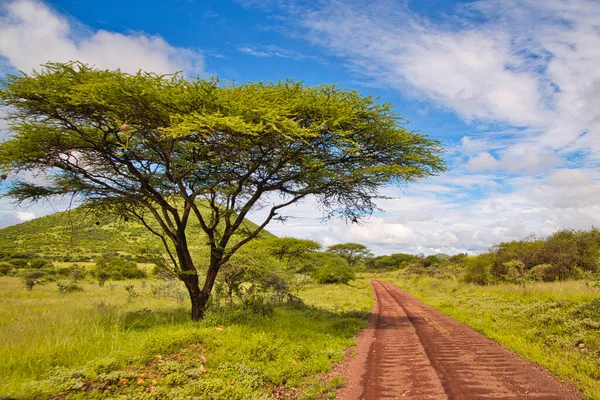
x,y
554,324
134,338
539,297
98,324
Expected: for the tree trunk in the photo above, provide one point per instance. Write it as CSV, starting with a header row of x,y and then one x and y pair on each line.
x,y
198,306
199,298
196,297
189,276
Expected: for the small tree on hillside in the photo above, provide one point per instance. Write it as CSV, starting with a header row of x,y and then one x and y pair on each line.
x,y
172,152
351,252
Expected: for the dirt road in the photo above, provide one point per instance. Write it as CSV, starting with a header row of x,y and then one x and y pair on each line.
x,y
412,351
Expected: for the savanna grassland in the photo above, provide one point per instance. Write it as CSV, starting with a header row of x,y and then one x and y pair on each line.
x,y
106,341
74,324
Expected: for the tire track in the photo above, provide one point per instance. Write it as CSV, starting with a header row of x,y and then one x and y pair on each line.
x,y
416,352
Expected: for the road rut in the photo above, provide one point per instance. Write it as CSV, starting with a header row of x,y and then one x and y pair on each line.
x,y
412,351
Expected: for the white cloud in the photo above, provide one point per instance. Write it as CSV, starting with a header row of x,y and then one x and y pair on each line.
x,y
32,34
482,162
272,50
474,72
569,177
521,63
25,215
473,213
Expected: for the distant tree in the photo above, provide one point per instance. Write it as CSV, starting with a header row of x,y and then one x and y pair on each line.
x,y
289,248
253,267
40,263
31,278
351,252
392,261
170,152
334,273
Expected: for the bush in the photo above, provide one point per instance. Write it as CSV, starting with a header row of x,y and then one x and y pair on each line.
x,y
31,278
541,272
564,253
40,263
19,262
5,268
116,269
391,262
477,270
415,268
68,287
334,273
77,273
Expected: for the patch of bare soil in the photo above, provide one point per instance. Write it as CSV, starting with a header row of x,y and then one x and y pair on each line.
x,y
410,350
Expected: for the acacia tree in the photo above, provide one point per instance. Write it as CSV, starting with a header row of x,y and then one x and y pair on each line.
x,y
171,152
290,248
351,252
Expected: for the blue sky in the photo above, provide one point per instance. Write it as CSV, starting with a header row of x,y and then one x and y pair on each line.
x,y
511,87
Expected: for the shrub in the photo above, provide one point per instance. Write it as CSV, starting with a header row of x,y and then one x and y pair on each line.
x,y
334,273
541,272
68,287
391,262
19,262
116,269
131,292
77,273
170,288
516,272
31,278
566,251
477,270
5,268
415,268
254,271
430,261
125,269
40,263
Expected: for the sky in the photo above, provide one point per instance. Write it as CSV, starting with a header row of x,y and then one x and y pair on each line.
x,y
510,87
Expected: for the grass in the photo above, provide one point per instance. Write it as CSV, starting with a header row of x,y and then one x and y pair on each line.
x,y
103,343
556,324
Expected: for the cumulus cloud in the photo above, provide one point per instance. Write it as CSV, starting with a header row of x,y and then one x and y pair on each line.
x,y
517,159
472,213
569,177
31,33
519,63
482,162
25,215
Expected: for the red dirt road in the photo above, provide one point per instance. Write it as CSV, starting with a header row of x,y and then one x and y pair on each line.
x,y
412,351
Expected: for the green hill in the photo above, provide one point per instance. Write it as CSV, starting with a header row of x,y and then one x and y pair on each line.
x,y
79,234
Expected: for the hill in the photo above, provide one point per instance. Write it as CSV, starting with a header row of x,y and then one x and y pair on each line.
x,y
79,234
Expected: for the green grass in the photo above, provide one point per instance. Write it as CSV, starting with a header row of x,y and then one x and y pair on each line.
x,y
556,325
99,343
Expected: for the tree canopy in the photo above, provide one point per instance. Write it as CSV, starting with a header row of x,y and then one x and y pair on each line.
x,y
351,252
172,151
